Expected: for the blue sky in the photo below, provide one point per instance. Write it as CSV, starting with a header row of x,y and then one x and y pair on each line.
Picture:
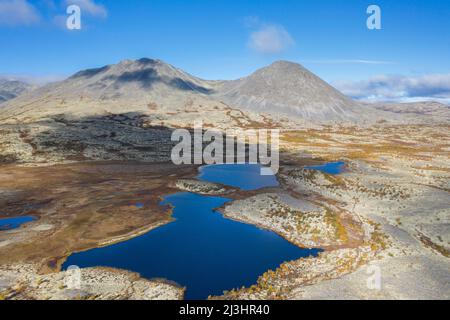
x,y
225,39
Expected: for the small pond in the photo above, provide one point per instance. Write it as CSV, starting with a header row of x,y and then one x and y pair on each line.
x,y
14,223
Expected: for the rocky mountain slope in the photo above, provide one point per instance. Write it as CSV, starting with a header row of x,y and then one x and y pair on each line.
x,y
128,110
129,86
286,87
147,86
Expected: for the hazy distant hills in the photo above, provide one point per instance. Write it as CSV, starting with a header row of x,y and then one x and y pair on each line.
x,y
419,108
170,95
10,89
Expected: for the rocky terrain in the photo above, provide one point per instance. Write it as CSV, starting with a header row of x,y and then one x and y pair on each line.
x,y
22,282
158,93
202,187
132,107
396,197
286,87
104,135
282,93
420,108
305,223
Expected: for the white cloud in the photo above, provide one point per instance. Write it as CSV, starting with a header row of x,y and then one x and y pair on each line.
x,y
18,12
399,88
90,7
270,39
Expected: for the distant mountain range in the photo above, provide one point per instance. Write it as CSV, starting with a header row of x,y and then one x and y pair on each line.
x,y
283,89
420,108
127,111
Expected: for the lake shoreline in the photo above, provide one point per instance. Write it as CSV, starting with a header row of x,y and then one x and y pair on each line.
x,y
210,197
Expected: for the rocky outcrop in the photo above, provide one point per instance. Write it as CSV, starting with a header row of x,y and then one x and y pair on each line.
x,y
19,282
201,187
302,222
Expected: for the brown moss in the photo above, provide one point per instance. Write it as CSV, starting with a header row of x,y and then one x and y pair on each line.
x,y
428,243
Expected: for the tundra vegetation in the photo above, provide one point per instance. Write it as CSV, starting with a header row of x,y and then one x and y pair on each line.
x,y
79,155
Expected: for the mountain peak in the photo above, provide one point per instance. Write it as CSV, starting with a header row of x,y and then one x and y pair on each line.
x,y
144,78
285,66
284,72
121,66
142,62
289,88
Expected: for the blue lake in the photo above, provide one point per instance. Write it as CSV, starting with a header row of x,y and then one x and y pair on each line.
x,y
330,167
201,250
13,223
